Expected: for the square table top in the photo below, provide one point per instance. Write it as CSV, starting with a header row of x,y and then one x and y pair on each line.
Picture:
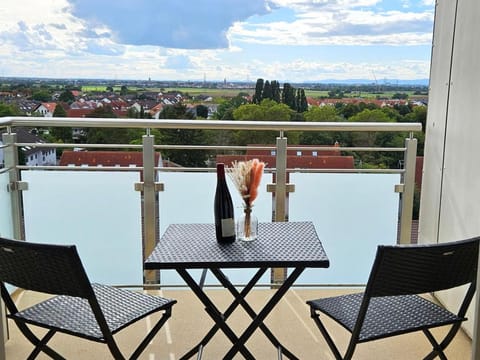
x,y
279,244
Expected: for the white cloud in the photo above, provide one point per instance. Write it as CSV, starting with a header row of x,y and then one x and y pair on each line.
x,y
216,38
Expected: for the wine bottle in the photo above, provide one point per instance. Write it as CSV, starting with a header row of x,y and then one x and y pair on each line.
x,y
223,209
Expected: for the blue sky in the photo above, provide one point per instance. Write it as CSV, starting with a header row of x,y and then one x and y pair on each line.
x,y
237,40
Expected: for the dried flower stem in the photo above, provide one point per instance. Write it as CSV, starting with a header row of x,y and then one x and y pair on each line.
x,y
246,176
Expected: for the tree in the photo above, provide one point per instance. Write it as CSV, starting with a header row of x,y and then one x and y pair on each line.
x,y
374,139
192,158
276,94
63,134
267,91
202,111
257,97
268,110
349,110
66,96
110,135
322,114
123,90
226,107
42,95
288,96
8,110
301,101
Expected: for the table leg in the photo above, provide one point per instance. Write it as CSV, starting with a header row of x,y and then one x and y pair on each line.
x,y
258,320
240,298
216,315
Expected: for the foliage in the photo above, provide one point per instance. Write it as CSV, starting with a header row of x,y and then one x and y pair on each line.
x,y
268,110
123,90
301,101
189,158
42,95
288,96
322,114
226,107
202,111
8,110
66,96
257,97
60,134
116,135
400,96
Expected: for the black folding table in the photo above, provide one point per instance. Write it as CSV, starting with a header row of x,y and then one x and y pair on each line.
x,y
293,245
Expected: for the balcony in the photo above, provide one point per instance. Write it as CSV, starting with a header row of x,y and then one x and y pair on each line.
x,y
127,208
189,321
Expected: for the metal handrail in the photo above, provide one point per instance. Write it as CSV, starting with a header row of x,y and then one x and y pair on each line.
x,y
210,124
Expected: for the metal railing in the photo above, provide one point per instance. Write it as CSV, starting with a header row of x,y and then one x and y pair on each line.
x,y
150,187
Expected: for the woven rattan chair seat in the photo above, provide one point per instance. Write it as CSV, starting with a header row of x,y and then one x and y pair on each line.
x,y
120,307
386,316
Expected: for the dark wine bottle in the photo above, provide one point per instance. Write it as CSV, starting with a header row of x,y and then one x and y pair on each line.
x,y
223,209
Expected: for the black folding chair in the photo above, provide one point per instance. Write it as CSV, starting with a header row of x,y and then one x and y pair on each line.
x,y
392,303
90,311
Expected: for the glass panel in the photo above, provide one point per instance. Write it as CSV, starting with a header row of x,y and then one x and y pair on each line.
x,y
98,211
188,198
353,213
6,223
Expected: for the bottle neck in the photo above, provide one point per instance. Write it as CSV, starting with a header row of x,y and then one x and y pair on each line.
x,y
220,171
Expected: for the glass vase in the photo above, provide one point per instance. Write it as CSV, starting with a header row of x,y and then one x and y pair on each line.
x,y
247,225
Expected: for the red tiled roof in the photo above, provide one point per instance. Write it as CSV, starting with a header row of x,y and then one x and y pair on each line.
x,y
104,158
50,106
78,113
305,162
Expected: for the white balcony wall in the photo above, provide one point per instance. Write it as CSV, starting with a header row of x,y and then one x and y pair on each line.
x,y
449,208
352,213
6,222
99,212
188,198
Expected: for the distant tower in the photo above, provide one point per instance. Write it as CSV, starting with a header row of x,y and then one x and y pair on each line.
x,y
225,82
204,78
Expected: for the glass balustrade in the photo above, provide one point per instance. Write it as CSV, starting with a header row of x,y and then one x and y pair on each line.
x,y
106,212
352,213
99,212
6,221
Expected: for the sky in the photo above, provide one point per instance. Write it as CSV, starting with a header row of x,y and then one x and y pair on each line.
x,y
213,40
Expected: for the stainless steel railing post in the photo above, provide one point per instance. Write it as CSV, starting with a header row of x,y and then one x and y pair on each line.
x,y
408,181
11,162
150,225
278,275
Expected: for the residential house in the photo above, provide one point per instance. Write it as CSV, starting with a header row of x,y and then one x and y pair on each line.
x,y
32,155
105,158
46,109
306,159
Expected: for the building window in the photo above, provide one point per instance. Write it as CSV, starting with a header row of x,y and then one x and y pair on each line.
x,y
273,152
314,153
299,153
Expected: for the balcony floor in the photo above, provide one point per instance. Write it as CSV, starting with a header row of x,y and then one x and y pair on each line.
x,y
289,321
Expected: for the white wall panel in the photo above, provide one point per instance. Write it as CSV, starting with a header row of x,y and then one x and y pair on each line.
x,y
450,202
436,120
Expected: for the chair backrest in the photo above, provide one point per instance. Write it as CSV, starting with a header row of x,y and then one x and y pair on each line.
x,y
417,269
53,269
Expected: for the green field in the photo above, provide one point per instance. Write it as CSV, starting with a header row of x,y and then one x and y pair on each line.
x,y
217,93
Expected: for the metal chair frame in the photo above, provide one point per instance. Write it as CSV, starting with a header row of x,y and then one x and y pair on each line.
x,y
90,311
392,303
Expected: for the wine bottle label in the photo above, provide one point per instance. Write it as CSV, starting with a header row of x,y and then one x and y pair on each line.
x,y
228,227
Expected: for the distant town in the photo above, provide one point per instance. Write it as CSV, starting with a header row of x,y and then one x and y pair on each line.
x,y
263,100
